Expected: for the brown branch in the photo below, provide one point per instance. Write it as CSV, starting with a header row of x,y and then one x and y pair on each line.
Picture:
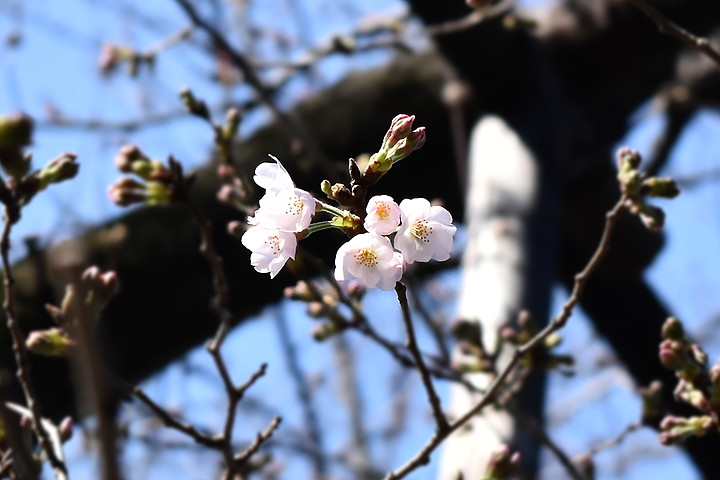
x,y
423,456
613,442
265,94
667,27
261,438
10,215
20,459
472,19
171,422
441,423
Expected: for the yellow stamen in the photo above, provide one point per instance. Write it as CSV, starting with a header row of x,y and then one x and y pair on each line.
x,y
382,210
366,257
274,243
421,230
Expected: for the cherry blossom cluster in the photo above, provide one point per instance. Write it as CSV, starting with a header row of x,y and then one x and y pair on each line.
x,y
420,232
387,238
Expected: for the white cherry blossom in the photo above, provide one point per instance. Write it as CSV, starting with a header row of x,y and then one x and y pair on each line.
x,y
370,259
271,248
273,177
426,231
290,210
383,215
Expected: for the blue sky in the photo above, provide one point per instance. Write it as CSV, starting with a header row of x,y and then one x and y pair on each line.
x,y
56,63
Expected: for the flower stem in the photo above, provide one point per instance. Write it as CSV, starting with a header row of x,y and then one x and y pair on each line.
x,y
316,227
326,207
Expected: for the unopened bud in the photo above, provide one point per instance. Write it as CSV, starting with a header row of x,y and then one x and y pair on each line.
x,y
14,162
193,105
15,131
672,355
232,123
652,216
652,404
553,340
127,191
52,342
465,330
406,146
628,158
356,290
400,127
101,286
127,156
59,169
672,329
503,463
158,193
317,309
326,187
301,291
236,228
325,331
109,58
660,187
66,429
676,429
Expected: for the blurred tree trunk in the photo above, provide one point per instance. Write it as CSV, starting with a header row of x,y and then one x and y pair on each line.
x,y
507,266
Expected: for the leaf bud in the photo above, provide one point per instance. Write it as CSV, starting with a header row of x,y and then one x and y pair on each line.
x,y
660,187
52,342
59,169
15,131
193,105
503,463
672,329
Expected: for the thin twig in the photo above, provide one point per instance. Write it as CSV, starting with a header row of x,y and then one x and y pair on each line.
x,y
171,422
261,438
433,326
669,28
441,423
20,459
265,94
361,324
613,442
423,455
20,352
470,20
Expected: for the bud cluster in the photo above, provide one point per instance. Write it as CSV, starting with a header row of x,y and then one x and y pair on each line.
x,y
22,183
385,236
542,356
399,142
154,184
476,358
88,296
696,385
635,186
